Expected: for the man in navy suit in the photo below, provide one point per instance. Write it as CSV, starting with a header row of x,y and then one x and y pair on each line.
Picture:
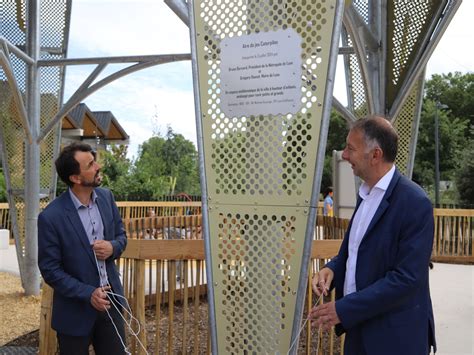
x,y
383,300
80,234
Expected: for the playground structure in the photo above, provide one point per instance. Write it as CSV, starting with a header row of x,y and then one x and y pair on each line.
x,y
261,169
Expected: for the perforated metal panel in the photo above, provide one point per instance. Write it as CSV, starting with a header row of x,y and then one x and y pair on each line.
x,y
53,22
406,125
256,280
362,7
408,23
264,157
260,171
356,88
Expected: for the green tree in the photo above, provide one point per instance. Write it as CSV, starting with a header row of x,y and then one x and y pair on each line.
x,y
3,187
465,174
451,142
171,162
456,90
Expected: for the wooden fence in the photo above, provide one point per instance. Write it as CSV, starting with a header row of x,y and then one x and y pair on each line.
x,y
454,236
163,271
176,269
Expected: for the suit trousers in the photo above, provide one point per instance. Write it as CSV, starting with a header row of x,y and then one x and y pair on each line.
x,y
103,337
353,344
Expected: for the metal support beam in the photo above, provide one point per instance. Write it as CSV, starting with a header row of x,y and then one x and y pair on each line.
x,y
17,98
344,111
86,90
351,27
180,8
157,59
14,49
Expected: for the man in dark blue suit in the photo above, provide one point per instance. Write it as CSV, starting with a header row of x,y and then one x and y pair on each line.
x,y
80,234
383,300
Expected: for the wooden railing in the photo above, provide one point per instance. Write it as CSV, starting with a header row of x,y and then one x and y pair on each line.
x,y
129,209
454,236
163,271
176,268
164,279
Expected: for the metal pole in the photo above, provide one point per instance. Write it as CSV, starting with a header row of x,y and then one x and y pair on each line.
x,y
32,162
203,179
438,106
436,157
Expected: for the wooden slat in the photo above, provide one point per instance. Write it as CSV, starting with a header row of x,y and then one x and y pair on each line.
x,y
453,259
164,249
194,249
325,249
140,304
453,212
47,336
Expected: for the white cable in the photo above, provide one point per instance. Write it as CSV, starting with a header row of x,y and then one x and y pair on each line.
x,y
302,327
127,310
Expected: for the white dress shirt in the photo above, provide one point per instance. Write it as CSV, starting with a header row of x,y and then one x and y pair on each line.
x,y
371,199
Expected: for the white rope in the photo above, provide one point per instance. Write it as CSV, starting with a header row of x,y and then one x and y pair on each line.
x,y
127,310
302,327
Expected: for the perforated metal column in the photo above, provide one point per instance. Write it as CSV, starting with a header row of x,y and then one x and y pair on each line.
x,y
54,19
260,172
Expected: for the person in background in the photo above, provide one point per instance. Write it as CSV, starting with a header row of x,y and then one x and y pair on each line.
x,y
328,203
380,274
80,234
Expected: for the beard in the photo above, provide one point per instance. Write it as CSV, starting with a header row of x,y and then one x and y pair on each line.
x,y
94,183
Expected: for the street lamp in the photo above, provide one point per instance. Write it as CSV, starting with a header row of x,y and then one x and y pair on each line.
x,y
438,106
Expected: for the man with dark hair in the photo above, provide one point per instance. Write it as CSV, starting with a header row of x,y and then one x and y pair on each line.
x,y
383,300
80,234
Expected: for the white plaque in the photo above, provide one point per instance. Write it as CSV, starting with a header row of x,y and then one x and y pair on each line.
x,y
261,74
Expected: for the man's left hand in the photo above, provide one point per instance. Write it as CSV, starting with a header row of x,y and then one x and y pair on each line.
x,y
324,315
103,249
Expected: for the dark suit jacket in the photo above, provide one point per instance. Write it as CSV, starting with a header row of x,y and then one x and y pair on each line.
x,y
392,306
67,262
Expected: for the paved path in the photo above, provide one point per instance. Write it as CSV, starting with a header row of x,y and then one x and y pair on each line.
x,y
452,293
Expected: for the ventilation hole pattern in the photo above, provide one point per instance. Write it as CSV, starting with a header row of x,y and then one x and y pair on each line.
x,y
362,7
404,126
262,155
255,253
409,20
356,84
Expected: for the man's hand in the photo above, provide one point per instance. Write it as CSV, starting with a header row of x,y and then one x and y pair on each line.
x,y
99,299
103,249
324,315
322,281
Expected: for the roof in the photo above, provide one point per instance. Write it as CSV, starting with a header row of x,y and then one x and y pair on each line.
x,y
100,124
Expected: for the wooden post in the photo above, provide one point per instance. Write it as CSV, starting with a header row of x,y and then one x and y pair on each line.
x,y
47,336
140,304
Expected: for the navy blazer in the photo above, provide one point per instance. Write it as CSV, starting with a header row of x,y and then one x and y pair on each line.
x,y
67,262
392,306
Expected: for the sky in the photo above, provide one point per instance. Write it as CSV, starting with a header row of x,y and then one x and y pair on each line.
x,y
148,101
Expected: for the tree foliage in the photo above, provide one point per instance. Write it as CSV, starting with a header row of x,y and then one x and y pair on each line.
x,y
464,176
165,165
456,123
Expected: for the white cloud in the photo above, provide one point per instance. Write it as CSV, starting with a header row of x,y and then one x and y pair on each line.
x,y
126,28
115,28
